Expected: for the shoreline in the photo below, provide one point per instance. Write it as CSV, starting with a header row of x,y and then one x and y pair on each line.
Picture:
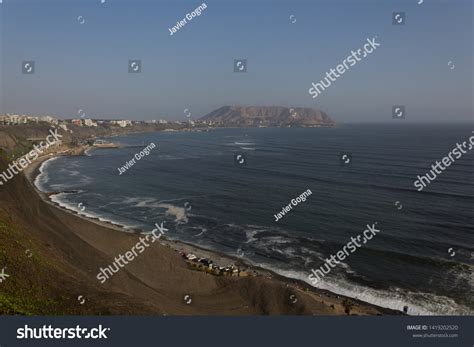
x,y
330,298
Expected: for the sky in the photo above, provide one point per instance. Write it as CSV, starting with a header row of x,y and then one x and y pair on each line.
x,y
82,48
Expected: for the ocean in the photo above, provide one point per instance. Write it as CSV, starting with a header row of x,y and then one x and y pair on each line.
x,y
222,189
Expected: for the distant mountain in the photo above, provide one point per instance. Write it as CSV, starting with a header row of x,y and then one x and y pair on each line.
x,y
267,116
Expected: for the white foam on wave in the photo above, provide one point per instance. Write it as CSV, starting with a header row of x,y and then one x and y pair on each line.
x,y
42,178
61,200
346,267
244,143
203,231
88,151
395,298
73,173
178,212
269,241
418,303
250,234
463,275
150,202
139,201
59,186
311,253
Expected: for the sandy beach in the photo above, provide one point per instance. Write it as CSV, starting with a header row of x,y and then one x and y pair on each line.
x,y
158,280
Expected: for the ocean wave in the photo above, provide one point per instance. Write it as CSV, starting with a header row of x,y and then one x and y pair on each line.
x,y
281,250
73,173
152,203
463,275
61,200
273,240
178,212
311,252
88,151
419,303
250,235
396,298
203,231
138,201
59,187
43,178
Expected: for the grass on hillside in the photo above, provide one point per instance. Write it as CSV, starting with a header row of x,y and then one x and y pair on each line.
x,y
26,291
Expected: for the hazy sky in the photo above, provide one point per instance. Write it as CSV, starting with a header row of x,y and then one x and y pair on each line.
x,y
85,66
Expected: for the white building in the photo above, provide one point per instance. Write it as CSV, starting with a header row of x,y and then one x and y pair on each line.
x,y
49,119
16,119
90,123
77,122
121,123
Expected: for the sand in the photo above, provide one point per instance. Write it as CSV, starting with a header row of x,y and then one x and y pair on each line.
x,y
158,280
